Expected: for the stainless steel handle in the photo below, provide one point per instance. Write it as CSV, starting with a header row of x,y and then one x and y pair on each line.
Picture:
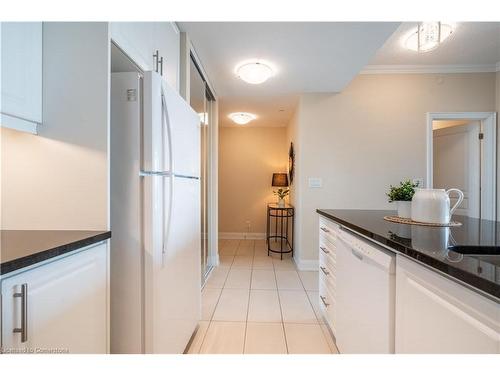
x,y
156,57
356,254
323,299
24,313
325,230
324,270
161,66
324,250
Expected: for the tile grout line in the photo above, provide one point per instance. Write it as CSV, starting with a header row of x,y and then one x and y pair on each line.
x,y
281,310
248,304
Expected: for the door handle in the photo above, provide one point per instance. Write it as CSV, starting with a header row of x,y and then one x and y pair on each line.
x,y
325,230
324,250
323,299
324,270
24,313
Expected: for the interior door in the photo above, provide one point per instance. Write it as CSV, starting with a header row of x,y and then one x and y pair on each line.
x,y
66,305
457,164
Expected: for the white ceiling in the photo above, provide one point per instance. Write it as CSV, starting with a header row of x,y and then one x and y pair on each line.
x,y
309,56
473,44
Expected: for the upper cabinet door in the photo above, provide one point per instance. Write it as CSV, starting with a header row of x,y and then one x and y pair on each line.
x,y
167,42
21,56
141,40
136,39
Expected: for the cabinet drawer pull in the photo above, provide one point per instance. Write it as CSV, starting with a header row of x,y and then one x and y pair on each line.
x,y
24,313
324,270
323,299
324,250
325,230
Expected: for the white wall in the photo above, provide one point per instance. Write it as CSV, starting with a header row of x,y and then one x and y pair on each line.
x,y
369,136
59,178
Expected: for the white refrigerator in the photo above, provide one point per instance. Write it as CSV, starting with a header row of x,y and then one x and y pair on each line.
x,y
155,216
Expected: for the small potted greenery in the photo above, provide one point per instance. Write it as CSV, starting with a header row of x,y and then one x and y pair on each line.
x,y
403,195
281,193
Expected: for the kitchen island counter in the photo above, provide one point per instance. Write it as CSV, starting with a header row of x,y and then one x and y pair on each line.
x,y
430,245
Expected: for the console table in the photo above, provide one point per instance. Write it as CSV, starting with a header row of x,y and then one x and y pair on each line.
x,y
281,240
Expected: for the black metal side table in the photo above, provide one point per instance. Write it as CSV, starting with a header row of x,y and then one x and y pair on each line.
x,y
279,241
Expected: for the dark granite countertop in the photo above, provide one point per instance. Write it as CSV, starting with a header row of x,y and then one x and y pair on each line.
x,y
23,248
429,245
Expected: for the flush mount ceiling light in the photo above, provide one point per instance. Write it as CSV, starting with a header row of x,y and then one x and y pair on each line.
x,y
428,36
242,118
255,71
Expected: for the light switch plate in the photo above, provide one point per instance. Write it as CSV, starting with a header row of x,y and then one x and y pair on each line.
x,y
420,181
315,182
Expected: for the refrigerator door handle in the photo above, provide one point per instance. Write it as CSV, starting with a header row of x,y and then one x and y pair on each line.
x,y
167,218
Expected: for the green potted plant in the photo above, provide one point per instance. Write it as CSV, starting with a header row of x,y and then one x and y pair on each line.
x,y
281,193
403,195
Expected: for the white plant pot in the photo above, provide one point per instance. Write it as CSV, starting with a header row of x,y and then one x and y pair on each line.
x,y
404,209
281,203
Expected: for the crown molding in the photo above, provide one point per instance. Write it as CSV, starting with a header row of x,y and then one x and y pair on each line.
x,y
427,69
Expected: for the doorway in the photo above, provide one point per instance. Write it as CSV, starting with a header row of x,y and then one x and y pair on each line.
x,y
461,153
202,101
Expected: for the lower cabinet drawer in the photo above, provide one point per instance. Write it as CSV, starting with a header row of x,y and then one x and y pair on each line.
x,y
327,306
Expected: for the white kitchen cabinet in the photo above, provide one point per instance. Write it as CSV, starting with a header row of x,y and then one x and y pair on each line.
x,y
437,315
66,305
21,63
141,40
328,232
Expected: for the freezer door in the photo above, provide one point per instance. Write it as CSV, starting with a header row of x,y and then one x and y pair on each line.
x,y
173,295
154,131
171,130
184,129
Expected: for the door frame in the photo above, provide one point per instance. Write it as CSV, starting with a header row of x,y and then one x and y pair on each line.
x,y
488,122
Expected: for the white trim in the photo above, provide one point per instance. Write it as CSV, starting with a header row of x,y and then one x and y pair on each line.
x,y
241,236
17,123
306,264
488,177
428,69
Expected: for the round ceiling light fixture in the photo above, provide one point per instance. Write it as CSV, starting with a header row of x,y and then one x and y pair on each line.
x,y
428,36
242,118
255,71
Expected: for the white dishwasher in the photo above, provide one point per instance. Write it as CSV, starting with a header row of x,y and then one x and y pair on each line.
x,y
365,296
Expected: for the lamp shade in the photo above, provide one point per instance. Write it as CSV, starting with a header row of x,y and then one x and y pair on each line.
x,y
280,179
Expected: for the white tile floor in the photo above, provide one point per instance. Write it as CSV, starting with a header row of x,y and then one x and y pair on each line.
x,y
255,304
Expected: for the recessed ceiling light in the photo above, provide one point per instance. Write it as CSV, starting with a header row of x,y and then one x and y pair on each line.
x,y
255,71
242,118
427,36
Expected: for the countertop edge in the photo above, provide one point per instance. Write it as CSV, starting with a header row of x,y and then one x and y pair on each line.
x,y
43,255
479,284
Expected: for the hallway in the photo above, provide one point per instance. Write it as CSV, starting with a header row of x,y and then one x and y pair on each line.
x,y
255,304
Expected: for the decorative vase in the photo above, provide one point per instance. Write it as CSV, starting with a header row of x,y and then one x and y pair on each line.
x,y
281,203
404,209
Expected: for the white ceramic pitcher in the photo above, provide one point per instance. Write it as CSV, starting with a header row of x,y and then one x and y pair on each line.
x,y
433,205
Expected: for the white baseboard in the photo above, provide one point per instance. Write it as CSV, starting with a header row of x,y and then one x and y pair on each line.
x,y
306,264
241,236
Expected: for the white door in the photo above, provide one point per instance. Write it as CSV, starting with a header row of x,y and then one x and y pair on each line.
x,y
437,315
66,305
21,74
457,155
